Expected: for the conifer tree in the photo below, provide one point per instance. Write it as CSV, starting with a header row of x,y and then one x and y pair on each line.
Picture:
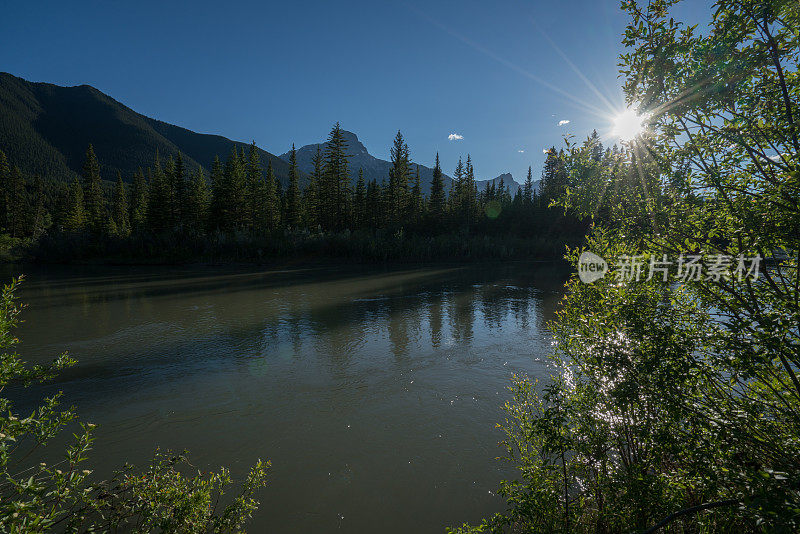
x,y
40,219
234,205
437,200
255,190
281,202
92,192
501,190
178,192
198,200
119,210
527,188
272,199
457,193
5,177
218,194
138,203
158,201
373,202
554,178
596,146
470,194
360,201
335,187
17,203
76,216
399,174
312,192
293,192
416,200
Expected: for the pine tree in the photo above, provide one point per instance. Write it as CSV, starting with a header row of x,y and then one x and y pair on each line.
x,y
255,193
527,188
5,178
92,192
272,199
468,201
40,218
457,192
198,200
596,146
138,203
399,174
234,203
360,201
119,211
335,186
76,216
17,203
471,187
293,192
281,202
178,193
158,200
312,191
437,200
218,194
554,179
488,192
416,200
374,204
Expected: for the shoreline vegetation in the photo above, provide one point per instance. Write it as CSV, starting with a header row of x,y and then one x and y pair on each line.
x,y
675,404
241,212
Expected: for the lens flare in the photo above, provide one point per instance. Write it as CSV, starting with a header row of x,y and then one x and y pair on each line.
x,y
629,124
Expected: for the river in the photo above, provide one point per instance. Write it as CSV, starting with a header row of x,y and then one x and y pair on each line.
x,y
374,392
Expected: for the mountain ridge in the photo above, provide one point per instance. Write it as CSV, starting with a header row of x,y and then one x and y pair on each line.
x,y
46,128
374,168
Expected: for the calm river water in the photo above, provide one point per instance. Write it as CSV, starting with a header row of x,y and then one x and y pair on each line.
x,y
374,392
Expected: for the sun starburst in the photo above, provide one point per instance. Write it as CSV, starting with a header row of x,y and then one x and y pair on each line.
x,y
629,124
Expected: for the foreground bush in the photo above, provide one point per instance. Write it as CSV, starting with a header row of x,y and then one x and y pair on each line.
x,y
677,403
169,495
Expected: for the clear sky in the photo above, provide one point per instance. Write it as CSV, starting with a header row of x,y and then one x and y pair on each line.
x,y
501,74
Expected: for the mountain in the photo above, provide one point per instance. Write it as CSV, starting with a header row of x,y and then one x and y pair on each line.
x,y
45,129
374,168
508,182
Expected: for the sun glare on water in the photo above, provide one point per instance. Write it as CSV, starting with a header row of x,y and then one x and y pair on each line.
x,y
628,125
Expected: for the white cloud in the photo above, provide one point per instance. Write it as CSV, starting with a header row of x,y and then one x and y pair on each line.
x,y
521,151
455,137
563,122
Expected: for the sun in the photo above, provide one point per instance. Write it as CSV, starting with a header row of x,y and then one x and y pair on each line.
x,y
629,124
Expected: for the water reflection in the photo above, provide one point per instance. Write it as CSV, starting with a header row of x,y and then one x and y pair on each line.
x,y
374,392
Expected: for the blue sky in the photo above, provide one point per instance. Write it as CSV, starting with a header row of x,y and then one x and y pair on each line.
x,y
501,74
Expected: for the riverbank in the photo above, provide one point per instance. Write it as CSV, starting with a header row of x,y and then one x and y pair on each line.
x,y
370,247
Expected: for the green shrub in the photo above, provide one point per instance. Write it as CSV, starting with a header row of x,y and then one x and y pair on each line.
x,y
169,495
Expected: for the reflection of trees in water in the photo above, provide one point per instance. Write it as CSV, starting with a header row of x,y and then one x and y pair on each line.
x,y
521,307
333,322
398,333
435,318
495,303
462,315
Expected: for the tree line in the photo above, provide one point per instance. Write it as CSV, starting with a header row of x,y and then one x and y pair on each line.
x,y
241,197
